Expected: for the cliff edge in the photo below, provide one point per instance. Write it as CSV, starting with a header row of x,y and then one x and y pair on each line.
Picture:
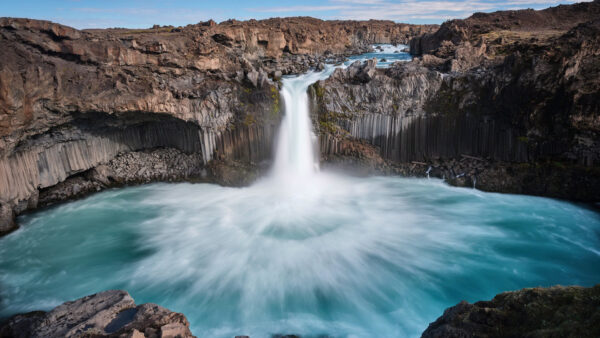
x,y
506,102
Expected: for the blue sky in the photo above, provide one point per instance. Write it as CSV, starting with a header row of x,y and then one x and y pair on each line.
x,y
145,13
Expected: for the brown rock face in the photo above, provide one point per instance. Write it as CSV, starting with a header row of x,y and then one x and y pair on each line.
x,y
533,24
105,314
538,312
71,100
50,71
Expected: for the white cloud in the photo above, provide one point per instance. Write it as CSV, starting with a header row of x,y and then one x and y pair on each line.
x,y
128,11
410,10
297,9
359,2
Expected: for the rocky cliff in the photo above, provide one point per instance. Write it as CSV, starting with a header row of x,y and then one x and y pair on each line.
x,y
106,314
539,312
83,110
508,102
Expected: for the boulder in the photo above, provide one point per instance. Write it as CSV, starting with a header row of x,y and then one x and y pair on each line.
x,y
110,313
366,71
252,77
538,312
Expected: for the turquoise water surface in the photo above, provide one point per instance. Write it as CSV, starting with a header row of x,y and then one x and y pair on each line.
x,y
342,257
385,54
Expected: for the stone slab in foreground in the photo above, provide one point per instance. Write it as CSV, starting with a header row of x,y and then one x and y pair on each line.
x,y
110,313
557,311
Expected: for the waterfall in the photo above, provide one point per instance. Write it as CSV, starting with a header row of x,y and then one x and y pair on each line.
x,y
297,152
296,156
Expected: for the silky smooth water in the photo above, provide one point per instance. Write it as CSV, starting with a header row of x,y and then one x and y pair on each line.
x,y
301,251
362,257
296,157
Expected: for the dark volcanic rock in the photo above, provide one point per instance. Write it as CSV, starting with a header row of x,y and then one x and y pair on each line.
x,y
71,100
105,314
531,23
538,312
527,108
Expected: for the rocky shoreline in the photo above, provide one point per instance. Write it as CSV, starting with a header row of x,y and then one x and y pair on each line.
x,y
558,311
106,314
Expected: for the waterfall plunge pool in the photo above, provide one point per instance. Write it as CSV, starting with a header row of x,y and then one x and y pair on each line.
x,y
343,257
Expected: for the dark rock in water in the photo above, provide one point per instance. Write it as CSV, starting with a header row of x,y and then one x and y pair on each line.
x,y
106,314
539,312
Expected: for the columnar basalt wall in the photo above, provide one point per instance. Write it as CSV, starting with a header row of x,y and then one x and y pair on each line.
x,y
250,144
47,162
418,138
72,101
495,109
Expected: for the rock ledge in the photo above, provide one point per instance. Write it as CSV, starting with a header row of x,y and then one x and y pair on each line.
x,y
557,311
110,313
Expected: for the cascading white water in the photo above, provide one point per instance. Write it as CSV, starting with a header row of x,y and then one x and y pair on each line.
x,y
297,152
297,155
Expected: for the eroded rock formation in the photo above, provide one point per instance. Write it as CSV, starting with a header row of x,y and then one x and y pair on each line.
x,y
539,312
504,103
106,314
73,103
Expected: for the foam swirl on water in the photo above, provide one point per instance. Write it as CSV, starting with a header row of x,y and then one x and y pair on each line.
x,y
363,257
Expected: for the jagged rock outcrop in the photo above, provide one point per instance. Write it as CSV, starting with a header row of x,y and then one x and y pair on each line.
x,y
106,314
73,100
500,109
530,23
539,312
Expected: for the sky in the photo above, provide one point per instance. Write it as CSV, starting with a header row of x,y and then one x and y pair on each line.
x,y
145,13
